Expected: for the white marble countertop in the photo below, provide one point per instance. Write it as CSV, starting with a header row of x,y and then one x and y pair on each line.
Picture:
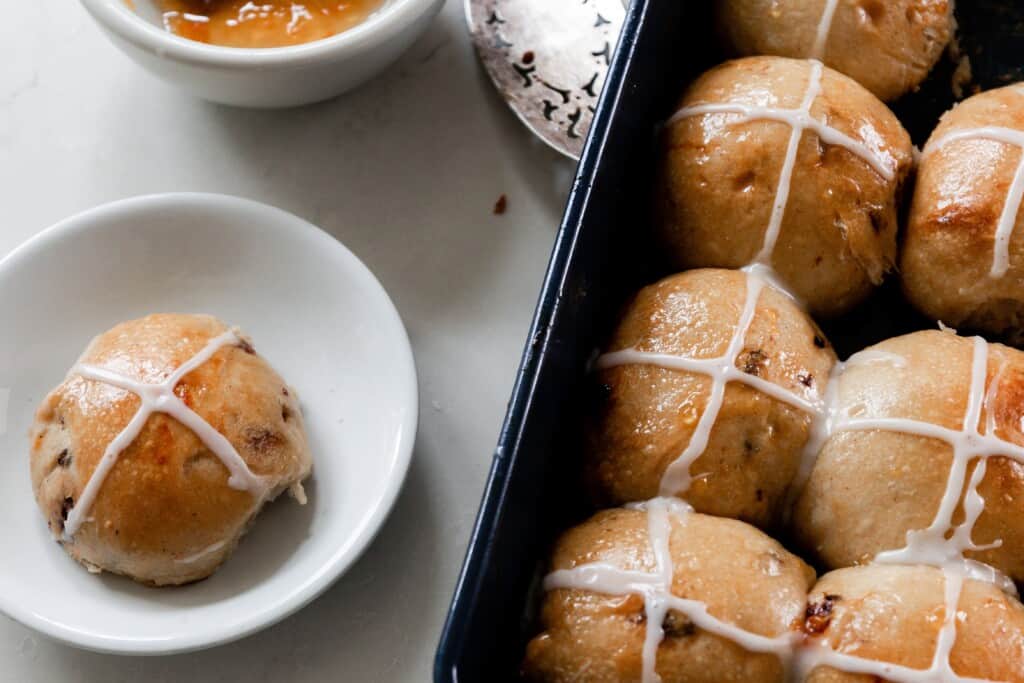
x,y
405,171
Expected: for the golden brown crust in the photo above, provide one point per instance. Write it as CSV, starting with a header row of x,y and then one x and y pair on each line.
x,y
719,178
869,488
888,46
167,500
949,245
894,614
745,578
650,413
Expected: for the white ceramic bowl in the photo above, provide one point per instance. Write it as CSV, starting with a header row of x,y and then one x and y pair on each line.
x,y
272,77
314,311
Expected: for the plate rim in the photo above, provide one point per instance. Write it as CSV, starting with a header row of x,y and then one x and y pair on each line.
x,y
347,554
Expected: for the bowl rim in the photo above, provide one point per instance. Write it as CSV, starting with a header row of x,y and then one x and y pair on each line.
x,y
382,26
346,554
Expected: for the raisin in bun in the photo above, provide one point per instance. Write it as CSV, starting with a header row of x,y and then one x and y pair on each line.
x,y
874,480
722,177
967,194
746,580
894,614
175,501
648,413
888,46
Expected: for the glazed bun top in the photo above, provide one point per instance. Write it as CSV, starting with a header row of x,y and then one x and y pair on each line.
x,y
149,498
926,426
902,615
888,46
790,164
757,563
963,254
659,428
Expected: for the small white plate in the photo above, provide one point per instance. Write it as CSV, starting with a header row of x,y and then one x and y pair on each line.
x,y
314,311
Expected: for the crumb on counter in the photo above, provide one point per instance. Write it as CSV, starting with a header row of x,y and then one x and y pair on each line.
x,y
501,206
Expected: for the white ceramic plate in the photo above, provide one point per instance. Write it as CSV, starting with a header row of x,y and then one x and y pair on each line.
x,y
314,311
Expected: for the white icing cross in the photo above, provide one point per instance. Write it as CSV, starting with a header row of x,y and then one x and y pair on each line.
x,y
799,120
1008,218
931,546
160,398
722,370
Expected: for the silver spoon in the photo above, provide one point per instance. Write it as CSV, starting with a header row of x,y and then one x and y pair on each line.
x,y
548,59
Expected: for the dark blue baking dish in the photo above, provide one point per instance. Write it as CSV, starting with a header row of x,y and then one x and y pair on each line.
x,y
602,255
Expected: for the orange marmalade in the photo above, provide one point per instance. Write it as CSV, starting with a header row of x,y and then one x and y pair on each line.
x,y
263,23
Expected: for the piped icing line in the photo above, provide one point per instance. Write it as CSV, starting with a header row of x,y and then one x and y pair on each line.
x,y
822,426
723,368
827,417
824,28
796,134
1011,209
205,552
801,120
160,398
